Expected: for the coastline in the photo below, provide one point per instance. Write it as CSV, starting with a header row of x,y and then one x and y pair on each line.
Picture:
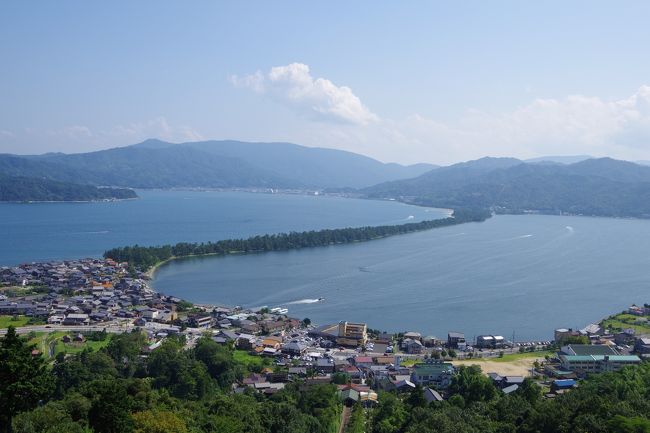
x,y
110,200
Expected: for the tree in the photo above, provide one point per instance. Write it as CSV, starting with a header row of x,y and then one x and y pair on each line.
x,y
173,369
470,383
24,379
340,378
158,422
51,418
416,397
110,407
217,359
621,424
390,415
125,350
530,391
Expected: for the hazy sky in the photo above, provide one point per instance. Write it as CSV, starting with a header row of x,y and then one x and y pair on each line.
x,y
400,81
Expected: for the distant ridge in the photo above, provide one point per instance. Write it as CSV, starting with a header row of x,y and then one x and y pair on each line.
x,y
562,159
212,164
604,187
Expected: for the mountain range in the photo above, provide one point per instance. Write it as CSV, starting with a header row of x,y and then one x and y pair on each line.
x,y
211,164
604,187
574,184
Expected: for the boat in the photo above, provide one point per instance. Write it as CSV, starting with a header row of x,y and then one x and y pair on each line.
x,y
321,299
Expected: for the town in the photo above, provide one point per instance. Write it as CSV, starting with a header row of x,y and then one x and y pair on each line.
x,y
68,301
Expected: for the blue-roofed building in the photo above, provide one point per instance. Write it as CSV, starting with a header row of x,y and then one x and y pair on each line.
x,y
563,384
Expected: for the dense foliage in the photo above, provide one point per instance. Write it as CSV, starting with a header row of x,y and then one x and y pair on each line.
x,y
146,257
608,403
174,390
177,389
38,189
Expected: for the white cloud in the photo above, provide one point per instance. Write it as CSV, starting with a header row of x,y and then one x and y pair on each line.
x,y
254,81
74,132
319,98
81,138
154,128
6,134
575,124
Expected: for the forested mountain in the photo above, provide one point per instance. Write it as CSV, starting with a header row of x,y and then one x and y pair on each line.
x,y
15,188
216,164
604,187
142,167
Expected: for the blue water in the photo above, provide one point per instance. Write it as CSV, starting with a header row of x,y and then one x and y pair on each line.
x,y
522,274
44,231
527,274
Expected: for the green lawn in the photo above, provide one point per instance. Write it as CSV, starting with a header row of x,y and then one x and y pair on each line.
x,y
7,321
516,356
43,340
243,357
74,347
623,321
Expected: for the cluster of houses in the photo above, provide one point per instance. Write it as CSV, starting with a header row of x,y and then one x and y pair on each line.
x,y
96,292
83,292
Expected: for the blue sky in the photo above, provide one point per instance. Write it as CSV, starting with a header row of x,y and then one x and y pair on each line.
x,y
399,81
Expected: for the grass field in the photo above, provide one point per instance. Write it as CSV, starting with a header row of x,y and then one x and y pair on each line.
x,y
7,321
517,356
622,321
246,358
44,340
74,347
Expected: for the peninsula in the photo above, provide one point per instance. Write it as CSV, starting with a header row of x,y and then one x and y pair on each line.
x,y
144,258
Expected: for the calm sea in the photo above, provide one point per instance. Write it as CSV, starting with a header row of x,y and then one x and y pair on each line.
x,y
44,231
521,274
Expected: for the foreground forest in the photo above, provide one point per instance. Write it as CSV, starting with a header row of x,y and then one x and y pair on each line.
x,y
119,389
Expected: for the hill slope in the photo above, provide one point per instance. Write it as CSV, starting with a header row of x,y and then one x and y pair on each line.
x,y
604,187
157,164
14,188
313,166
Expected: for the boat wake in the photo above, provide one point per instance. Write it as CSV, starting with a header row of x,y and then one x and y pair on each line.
x,y
524,236
569,228
101,232
305,301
